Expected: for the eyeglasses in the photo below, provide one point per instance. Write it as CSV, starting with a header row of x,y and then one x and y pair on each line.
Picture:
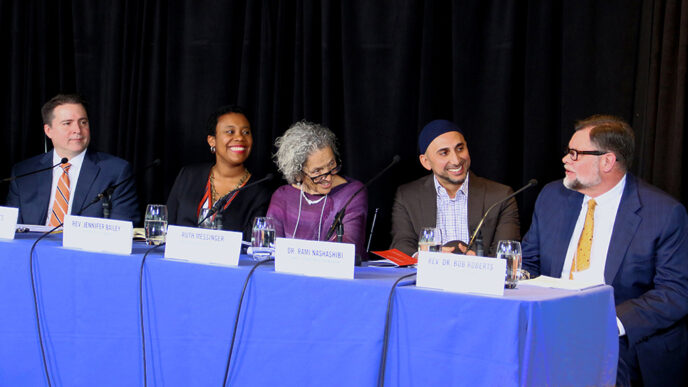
x,y
318,179
574,153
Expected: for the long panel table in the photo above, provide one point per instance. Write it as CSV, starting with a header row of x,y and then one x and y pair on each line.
x,y
293,330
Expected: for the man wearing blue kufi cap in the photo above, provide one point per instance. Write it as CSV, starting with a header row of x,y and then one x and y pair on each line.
x,y
452,198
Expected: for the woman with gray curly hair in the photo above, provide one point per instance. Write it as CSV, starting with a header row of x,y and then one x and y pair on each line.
x,y
305,208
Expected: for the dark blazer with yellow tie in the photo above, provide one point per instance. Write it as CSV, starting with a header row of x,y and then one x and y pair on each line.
x,y
647,264
415,207
31,194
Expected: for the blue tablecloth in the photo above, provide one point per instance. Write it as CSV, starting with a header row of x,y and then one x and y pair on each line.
x,y
294,330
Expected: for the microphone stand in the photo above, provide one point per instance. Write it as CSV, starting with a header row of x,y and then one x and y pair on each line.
x,y
372,227
531,183
480,247
107,205
106,197
340,231
337,225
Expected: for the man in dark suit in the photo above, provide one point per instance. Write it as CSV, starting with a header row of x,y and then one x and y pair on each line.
x,y
604,225
451,198
45,197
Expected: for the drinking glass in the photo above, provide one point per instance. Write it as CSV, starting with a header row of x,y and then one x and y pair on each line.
x,y
214,222
511,251
155,224
430,239
263,238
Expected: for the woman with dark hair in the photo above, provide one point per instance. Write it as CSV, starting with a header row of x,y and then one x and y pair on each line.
x,y
199,186
308,158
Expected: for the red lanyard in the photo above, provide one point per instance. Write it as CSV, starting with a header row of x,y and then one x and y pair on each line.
x,y
206,200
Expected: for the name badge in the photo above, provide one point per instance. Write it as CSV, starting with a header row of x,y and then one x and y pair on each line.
x,y
461,273
314,258
97,234
202,245
8,222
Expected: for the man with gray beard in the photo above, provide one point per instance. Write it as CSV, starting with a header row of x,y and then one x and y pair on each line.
x,y
601,224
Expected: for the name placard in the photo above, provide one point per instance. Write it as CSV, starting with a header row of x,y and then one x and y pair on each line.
x,y
461,273
8,222
202,245
314,258
97,234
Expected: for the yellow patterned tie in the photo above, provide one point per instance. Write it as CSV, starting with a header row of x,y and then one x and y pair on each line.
x,y
581,261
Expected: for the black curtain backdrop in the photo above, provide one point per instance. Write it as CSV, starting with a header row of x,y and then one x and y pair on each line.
x,y
514,75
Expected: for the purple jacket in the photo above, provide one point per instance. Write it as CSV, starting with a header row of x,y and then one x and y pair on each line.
x,y
284,209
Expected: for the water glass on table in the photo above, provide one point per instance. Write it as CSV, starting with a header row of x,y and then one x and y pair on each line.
x,y
155,223
430,239
511,252
213,222
263,238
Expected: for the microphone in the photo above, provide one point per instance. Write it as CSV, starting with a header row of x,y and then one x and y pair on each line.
x,y
340,215
107,192
12,178
531,183
223,200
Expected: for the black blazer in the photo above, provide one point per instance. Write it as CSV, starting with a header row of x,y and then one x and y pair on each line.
x,y
189,188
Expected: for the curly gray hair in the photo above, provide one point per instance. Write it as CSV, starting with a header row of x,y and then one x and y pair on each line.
x,y
298,142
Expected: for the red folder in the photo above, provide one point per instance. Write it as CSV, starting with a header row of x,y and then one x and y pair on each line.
x,y
397,257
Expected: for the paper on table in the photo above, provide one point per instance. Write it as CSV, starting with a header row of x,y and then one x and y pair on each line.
x,y
380,263
139,234
35,228
560,283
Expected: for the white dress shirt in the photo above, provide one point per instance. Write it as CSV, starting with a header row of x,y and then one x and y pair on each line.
x,y
605,215
73,173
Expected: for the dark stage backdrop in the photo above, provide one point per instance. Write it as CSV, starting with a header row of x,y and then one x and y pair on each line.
x,y
513,74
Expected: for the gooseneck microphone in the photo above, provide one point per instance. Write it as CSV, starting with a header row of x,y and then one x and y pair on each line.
x,y
337,223
531,183
217,207
11,178
106,195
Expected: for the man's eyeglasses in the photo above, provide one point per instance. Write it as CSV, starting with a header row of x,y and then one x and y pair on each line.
x,y
573,153
320,178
